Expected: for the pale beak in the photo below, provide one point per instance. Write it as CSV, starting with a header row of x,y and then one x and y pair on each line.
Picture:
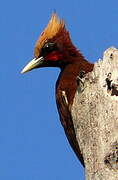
x,y
34,63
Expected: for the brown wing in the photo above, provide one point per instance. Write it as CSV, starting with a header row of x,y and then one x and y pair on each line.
x,y
67,123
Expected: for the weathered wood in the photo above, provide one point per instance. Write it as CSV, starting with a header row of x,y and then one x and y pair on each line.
x,y
95,118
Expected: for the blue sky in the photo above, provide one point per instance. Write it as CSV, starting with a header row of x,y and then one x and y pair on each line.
x,y
33,145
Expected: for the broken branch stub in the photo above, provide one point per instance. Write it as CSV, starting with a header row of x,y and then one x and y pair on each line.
x,y
95,118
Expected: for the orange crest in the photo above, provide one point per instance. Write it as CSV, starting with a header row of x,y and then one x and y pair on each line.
x,y
54,27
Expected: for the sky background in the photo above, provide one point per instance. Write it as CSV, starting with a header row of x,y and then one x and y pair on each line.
x,y
33,145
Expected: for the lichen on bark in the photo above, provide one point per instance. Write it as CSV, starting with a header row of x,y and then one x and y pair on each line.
x,y
95,118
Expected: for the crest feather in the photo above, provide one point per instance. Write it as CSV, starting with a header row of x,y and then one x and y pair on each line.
x,y
54,26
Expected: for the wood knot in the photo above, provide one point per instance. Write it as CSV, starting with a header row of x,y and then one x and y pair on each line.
x,y
111,56
112,85
80,81
111,159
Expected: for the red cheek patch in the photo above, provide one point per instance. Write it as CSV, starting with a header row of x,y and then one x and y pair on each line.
x,y
54,56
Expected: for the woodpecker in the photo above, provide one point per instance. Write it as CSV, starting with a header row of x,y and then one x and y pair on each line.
x,y
54,48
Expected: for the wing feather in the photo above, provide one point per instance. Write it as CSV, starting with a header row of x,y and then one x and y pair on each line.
x,y
67,123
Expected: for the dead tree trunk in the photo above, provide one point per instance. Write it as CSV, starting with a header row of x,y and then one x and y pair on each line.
x,y
95,118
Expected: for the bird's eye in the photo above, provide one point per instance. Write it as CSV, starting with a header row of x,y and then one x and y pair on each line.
x,y
48,47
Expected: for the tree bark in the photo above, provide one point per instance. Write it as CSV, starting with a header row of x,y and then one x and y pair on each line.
x,y
95,118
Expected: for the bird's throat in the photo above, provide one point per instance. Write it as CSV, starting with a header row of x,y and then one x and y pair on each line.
x,y
67,79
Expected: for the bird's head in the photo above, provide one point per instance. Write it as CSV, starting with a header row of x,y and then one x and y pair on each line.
x,y
53,48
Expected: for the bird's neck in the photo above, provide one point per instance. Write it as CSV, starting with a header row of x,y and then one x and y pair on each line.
x,y
67,79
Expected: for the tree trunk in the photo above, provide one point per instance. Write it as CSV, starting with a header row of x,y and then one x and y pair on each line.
x,y
95,118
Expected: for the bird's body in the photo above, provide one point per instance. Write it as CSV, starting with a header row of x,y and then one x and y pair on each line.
x,y
55,49
67,83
